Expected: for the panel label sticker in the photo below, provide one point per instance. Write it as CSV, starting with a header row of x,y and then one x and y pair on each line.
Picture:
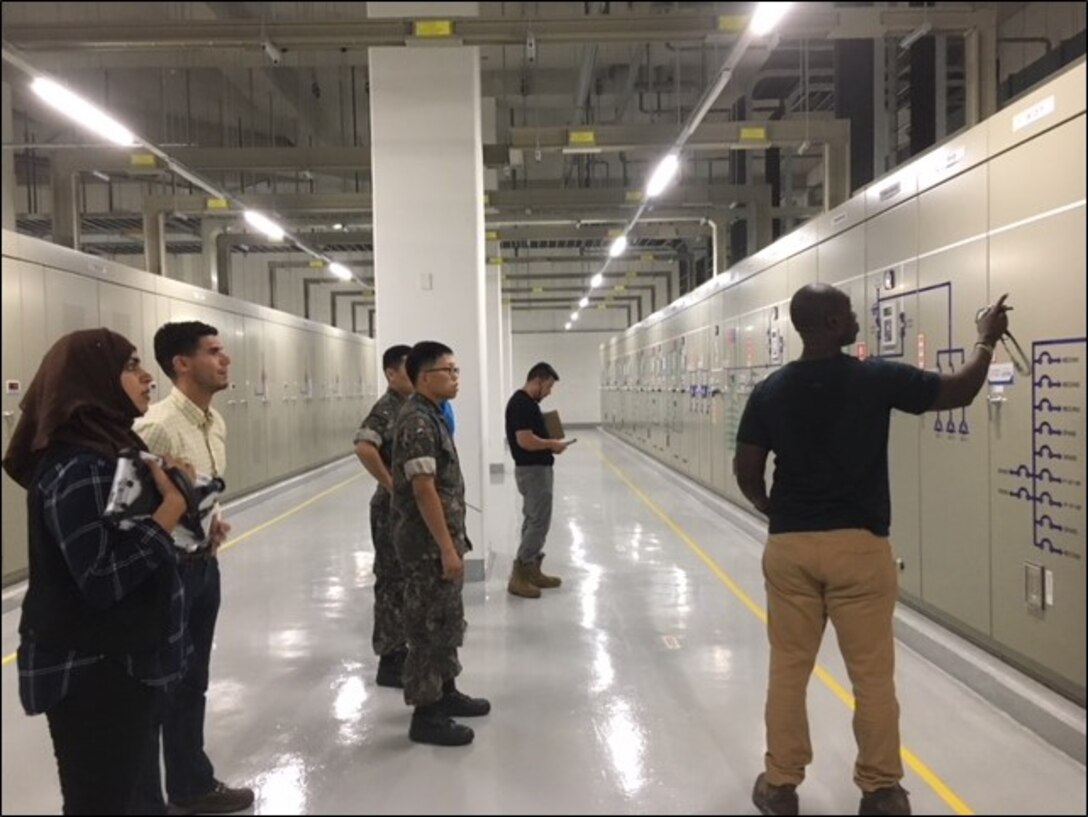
x,y
1001,374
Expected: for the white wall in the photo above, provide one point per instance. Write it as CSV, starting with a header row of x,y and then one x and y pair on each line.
x,y
576,357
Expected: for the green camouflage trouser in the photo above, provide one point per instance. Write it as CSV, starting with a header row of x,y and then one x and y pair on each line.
x,y
388,581
434,620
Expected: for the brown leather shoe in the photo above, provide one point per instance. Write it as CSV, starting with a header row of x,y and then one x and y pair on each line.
x,y
771,799
888,800
220,800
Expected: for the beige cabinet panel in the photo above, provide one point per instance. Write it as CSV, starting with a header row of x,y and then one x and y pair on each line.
x,y
71,303
1033,179
1038,443
257,394
954,451
17,371
842,257
892,237
949,213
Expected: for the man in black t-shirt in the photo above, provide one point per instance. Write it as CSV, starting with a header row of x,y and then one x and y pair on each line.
x,y
533,457
825,417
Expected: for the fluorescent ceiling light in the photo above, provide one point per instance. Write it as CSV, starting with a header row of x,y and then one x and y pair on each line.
x,y
596,280
618,246
264,224
584,302
338,226
82,111
916,35
340,271
567,325
767,16
662,175
574,316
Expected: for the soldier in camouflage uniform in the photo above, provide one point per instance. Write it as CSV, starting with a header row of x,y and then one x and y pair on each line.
x,y
374,447
429,534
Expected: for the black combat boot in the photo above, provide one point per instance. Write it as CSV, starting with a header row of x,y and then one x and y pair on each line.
x,y
457,704
431,725
391,668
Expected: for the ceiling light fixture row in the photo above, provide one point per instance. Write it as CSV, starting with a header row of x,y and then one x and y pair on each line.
x,y
763,22
73,106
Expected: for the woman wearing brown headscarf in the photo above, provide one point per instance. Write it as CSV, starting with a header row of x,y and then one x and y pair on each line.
x,y
101,627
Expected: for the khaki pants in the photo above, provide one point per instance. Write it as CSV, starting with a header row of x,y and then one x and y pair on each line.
x,y
849,577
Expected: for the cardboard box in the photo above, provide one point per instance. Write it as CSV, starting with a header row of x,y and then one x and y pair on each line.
x,y
553,425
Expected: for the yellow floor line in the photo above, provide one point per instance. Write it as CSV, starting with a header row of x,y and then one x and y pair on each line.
x,y
232,542
954,801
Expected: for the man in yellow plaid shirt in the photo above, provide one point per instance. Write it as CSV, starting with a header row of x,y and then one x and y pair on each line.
x,y
185,426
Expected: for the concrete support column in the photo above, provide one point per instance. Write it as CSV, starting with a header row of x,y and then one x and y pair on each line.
x,y
224,267
496,396
155,242
65,204
718,221
980,69
759,221
210,230
429,272
508,352
7,172
838,183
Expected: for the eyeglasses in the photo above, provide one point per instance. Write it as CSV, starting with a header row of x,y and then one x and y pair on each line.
x,y
452,371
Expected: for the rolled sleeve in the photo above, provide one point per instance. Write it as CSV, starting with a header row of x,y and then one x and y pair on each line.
x,y
366,435
421,466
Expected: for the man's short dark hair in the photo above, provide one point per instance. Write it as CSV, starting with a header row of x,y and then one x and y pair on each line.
x,y
542,371
394,356
181,338
423,355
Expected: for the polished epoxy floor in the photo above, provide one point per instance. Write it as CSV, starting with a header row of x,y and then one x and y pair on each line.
x,y
637,687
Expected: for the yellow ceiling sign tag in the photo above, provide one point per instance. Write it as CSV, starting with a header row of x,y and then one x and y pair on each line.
x,y
753,134
492,235
218,204
315,264
732,22
581,138
646,256
537,290
142,160
620,287
632,196
615,232
495,261
433,28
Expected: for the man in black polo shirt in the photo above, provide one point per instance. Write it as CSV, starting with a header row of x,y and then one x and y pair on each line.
x,y
825,416
533,457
